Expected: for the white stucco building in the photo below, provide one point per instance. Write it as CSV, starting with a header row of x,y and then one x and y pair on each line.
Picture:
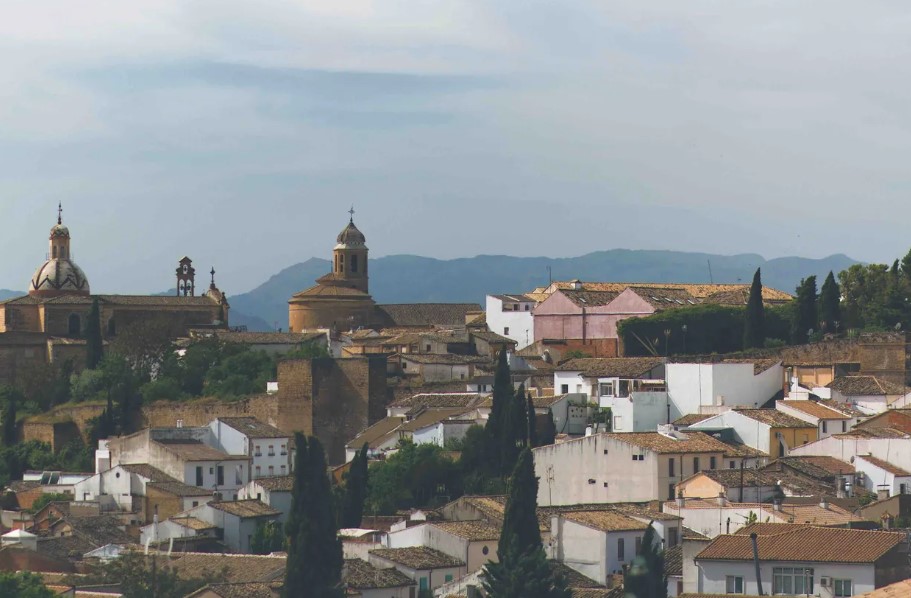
x,y
827,420
266,446
275,492
237,521
511,316
711,387
882,477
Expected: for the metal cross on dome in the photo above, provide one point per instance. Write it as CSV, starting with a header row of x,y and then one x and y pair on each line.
x,y
60,212
351,211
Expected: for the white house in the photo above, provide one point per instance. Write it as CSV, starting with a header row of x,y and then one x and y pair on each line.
x,y
630,467
237,521
266,446
827,420
441,368
120,484
886,444
768,430
802,560
442,432
597,544
604,379
472,542
511,316
428,568
711,387
275,492
868,393
882,477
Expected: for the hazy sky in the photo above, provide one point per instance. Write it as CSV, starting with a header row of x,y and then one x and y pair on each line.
x,y
239,133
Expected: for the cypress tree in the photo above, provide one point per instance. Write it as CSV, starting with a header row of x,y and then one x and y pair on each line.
x,y
549,433
93,343
314,565
754,322
645,578
496,428
522,569
514,434
806,311
830,303
355,490
532,423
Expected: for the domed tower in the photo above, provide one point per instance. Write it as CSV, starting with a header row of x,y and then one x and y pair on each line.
x,y
59,275
349,263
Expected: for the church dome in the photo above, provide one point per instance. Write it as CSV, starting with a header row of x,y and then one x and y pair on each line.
x,y
59,277
351,236
58,230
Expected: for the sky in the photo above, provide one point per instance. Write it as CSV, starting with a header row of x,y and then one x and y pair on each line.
x,y
240,133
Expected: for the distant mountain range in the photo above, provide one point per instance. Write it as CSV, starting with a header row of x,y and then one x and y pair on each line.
x,y
415,279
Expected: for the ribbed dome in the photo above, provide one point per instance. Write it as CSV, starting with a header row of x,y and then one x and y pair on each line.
x,y
58,230
59,276
351,236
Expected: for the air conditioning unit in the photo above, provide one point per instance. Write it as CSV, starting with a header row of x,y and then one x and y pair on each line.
x,y
825,582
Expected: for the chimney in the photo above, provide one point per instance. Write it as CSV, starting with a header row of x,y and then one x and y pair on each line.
x,y
680,500
722,501
776,504
823,502
882,493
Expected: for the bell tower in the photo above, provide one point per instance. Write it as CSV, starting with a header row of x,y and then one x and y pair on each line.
x,y
349,257
186,278
60,239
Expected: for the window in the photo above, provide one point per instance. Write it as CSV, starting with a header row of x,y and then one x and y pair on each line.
x,y
638,457
734,584
195,503
733,465
427,348
199,475
606,389
259,452
485,551
564,389
902,489
74,325
527,307
238,475
447,578
712,464
825,426
284,449
696,465
638,544
354,263
670,468
284,469
792,580
506,330
844,426
258,471
620,547
843,587
271,450
623,388
220,478
618,422
672,537
271,470
670,492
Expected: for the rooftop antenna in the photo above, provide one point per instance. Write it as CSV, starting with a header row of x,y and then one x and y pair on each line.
x,y
550,276
711,280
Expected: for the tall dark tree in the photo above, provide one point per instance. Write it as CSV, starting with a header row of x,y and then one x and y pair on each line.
x,y
314,552
10,397
500,414
806,319
532,423
514,433
830,304
522,569
549,433
754,319
93,343
645,577
355,490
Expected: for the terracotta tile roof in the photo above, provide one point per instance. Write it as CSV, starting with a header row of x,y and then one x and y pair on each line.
x,y
690,419
665,298
241,590
197,451
814,409
150,300
417,557
282,483
176,488
245,509
437,400
492,337
690,534
232,568
257,338
615,592
153,474
474,531
377,434
774,418
590,298
818,467
852,386
605,521
884,465
731,478
192,523
361,575
573,578
330,290
544,402
426,314
738,449
443,359
253,428
873,433
699,291
899,589
611,367
806,543
429,417
673,560
694,442
845,408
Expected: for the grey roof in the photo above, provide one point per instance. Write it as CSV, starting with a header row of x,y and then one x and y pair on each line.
x,y
176,488
426,314
253,428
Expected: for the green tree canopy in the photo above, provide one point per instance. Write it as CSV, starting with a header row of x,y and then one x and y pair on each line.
x,y
754,317
806,319
830,305
22,584
645,577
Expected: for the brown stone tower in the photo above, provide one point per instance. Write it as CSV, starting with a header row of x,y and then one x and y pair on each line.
x,y
339,299
349,257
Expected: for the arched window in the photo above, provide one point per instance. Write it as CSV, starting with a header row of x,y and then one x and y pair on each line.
x,y
354,263
341,262
75,325
54,252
